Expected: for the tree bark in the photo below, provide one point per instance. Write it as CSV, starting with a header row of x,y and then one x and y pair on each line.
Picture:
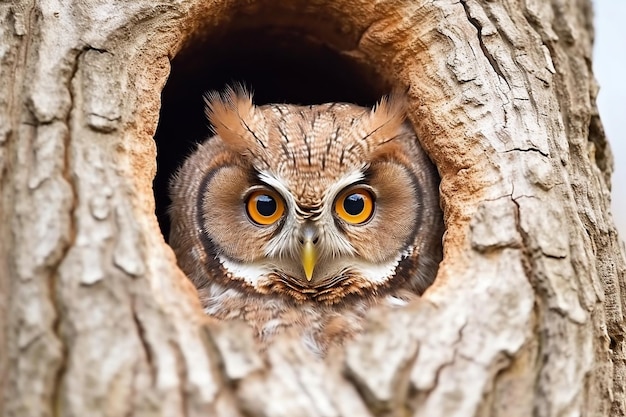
x,y
525,316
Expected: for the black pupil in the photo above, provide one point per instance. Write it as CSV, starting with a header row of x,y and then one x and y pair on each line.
x,y
265,205
354,204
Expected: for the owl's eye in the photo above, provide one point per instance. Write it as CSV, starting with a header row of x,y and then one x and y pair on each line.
x,y
355,206
264,207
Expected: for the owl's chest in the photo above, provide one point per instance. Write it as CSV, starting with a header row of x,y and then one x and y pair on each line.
x,y
319,326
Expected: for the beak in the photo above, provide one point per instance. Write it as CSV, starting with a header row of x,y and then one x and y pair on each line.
x,y
309,257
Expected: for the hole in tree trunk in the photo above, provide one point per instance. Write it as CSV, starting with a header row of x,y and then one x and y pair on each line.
x,y
278,61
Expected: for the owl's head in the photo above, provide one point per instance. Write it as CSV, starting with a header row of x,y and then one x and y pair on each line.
x,y
316,202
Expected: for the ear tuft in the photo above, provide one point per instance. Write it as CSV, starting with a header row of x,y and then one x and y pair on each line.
x,y
385,121
231,113
389,112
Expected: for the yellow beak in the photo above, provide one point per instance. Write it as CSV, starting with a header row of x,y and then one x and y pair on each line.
x,y
309,257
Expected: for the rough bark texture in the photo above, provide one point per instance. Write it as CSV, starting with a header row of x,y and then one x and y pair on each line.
x,y
525,318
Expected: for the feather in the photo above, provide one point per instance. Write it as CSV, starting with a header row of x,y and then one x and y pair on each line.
x,y
231,114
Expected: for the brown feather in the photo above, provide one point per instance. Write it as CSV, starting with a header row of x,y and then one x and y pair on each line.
x,y
231,113
385,120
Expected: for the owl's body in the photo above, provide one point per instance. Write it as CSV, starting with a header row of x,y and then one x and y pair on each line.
x,y
302,218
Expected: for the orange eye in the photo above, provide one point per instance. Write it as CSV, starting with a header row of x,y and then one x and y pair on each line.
x,y
264,207
355,206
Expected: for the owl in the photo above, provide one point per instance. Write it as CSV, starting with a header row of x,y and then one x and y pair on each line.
x,y
300,219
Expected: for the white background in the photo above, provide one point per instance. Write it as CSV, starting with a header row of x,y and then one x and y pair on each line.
x,y
609,63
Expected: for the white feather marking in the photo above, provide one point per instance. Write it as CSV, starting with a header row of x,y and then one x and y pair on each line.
x,y
395,301
269,328
285,243
332,243
279,184
250,273
338,186
216,297
310,342
379,273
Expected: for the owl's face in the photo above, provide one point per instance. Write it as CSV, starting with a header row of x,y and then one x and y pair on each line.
x,y
318,203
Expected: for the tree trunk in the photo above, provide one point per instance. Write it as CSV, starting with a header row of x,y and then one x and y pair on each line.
x,y
525,316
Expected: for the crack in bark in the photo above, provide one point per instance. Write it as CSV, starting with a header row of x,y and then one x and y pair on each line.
x,y
67,176
111,119
492,61
181,369
403,378
402,389
362,391
141,334
519,228
413,391
502,30
530,269
539,151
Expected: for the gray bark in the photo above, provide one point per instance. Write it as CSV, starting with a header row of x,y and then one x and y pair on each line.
x,y
525,317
